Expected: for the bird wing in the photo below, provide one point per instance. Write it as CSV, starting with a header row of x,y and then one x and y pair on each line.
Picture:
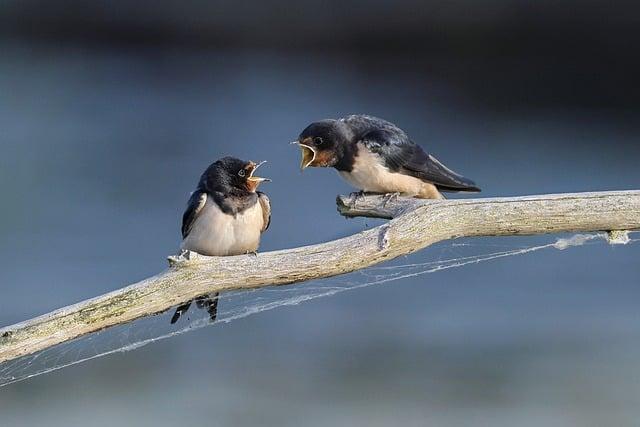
x,y
265,204
400,154
196,202
360,124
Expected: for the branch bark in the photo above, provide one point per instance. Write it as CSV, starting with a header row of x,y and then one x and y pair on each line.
x,y
415,225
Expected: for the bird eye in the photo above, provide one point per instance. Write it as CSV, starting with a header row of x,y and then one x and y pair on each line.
x,y
241,172
318,141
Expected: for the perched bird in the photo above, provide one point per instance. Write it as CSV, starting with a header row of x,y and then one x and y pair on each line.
x,y
376,156
225,215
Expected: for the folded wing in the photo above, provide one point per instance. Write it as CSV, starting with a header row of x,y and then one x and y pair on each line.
x,y
196,202
265,204
402,155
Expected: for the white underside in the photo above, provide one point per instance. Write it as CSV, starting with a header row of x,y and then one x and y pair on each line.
x,y
215,233
369,174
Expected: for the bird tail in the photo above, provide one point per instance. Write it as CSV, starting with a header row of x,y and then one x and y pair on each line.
x,y
444,178
208,302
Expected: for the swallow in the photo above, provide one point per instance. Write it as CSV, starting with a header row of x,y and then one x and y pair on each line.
x,y
376,156
225,215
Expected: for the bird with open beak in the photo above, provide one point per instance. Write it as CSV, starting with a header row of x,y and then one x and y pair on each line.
x,y
376,156
225,215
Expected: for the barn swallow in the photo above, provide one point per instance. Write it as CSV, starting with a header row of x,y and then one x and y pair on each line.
x,y
225,216
376,156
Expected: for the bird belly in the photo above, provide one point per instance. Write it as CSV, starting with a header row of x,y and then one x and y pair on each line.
x,y
216,233
370,174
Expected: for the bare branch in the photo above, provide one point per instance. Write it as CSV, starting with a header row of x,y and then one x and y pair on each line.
x,y
416,225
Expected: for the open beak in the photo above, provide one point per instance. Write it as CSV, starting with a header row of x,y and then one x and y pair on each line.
x,y
308,155
257,179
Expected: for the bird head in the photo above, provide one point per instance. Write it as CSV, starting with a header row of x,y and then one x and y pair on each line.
x,y
240,174
321,143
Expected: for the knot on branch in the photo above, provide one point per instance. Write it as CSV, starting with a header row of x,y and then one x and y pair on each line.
x,y
618,237
183,258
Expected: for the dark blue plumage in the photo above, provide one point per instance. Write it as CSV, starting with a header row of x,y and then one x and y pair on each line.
x,y
376,155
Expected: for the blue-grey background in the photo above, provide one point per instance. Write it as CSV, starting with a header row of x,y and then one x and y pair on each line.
x,y
109,111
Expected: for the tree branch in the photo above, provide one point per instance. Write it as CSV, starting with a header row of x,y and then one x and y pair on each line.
x,y
416,225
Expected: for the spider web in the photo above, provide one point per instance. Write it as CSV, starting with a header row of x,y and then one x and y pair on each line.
x,y
240,304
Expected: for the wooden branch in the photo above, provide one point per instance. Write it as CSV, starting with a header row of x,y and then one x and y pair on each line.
x,y
417,224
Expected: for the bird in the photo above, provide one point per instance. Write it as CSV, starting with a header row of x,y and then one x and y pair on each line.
x,y
376,156
225,215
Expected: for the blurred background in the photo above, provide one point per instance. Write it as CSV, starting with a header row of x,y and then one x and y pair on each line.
x,y
110,110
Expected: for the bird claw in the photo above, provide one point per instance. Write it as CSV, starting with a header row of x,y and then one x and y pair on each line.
x,y
254,253
389,197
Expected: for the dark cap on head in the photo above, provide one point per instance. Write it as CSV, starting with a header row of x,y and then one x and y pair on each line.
x,y
231,174
322,143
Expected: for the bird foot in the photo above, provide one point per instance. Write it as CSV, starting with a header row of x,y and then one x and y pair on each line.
x,y
389,197
254,253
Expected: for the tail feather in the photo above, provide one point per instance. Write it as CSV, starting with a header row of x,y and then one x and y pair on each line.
x,y
208,302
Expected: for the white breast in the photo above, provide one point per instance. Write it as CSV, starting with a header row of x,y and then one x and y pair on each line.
x,y
216,233
370,174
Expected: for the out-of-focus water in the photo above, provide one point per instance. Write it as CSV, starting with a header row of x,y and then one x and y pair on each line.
x,y
100,149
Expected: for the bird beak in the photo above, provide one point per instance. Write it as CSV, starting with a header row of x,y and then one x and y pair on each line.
x,y
308,154
257,179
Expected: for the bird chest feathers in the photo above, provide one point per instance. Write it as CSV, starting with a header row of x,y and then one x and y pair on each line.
x,y
370,174
216,233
